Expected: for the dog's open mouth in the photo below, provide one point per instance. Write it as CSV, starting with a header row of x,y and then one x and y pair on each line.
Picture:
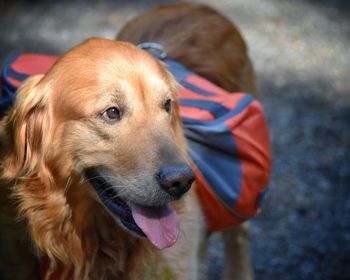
x,y
159,224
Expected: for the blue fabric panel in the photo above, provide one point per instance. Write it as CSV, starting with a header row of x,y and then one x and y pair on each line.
x,y
181,73
178,70
211,145
214,153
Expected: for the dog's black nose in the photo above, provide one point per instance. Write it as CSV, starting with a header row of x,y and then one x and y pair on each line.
x,y
176,180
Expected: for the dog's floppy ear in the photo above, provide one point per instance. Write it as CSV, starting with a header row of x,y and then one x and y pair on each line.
x,y
26,130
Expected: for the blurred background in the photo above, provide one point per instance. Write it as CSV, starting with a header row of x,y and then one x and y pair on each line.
x,y
301,53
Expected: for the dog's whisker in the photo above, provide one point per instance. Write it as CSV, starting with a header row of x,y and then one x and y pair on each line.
x,y
68,184
98,177
119,192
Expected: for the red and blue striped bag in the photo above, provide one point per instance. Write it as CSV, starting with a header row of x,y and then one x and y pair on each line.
x,y
227,135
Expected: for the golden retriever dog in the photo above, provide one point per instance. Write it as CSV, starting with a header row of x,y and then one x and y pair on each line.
x,y
95,161
88,145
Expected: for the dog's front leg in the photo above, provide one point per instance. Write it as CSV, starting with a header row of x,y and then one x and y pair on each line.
x,y
237,263
184,257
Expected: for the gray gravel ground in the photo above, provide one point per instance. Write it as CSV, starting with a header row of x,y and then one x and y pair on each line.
x,y
301,52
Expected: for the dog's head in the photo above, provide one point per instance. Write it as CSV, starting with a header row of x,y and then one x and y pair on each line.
x,y
106,111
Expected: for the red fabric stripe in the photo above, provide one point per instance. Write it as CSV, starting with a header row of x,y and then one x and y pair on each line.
x,y
252,139
195,113
228,100
184,93
31,64
205,84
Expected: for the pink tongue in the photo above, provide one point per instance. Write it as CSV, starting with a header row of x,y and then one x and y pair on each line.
x,y
160,224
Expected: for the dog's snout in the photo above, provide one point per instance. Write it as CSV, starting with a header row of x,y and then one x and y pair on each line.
x,y
176,180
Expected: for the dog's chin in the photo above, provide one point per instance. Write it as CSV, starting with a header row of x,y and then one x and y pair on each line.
x,y
159,224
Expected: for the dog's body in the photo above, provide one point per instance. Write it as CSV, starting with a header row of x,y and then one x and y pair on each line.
x,y
103,111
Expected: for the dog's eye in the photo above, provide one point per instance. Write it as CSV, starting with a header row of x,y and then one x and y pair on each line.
x,y
167,105
112,114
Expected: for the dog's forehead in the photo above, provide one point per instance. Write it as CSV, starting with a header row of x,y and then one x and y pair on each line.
x,y
109,64
133,73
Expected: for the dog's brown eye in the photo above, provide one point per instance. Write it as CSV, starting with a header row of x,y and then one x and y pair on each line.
x,y
112,114
167,105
